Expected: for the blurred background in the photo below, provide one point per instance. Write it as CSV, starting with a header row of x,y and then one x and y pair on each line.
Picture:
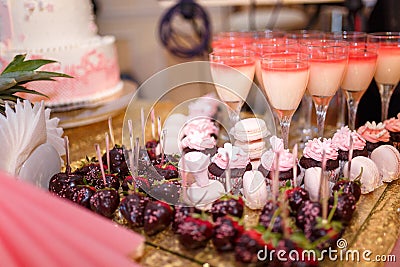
x,y
135,24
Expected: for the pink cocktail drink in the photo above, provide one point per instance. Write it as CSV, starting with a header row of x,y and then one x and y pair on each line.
x,y
328,63
360,71
232,71
387,74
285,77
388,64
325,77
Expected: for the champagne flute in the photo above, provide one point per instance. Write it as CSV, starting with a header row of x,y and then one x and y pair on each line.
x,y
328,62
387,72
232,88
360,69
306,133
285,76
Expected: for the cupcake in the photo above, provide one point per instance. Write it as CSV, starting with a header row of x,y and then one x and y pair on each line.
x,y
374,134
200,124
312,156
239,162
341,139
285,164
393,126
199,141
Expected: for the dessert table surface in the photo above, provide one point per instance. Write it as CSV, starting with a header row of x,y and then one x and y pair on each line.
x,y
375,225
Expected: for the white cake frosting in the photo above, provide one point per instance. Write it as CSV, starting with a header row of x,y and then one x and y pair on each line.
x,y
64,31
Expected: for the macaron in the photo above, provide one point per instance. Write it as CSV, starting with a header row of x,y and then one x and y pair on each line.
x,y
387,159
250,129
370,176
254,149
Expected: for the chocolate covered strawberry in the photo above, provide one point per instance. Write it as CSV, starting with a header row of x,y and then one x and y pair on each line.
x,y
105,202
270,217
157,217
82,195
151,147
168,171
117,162
296,196
168,192
112,181
227,205
182,211
195,232
132,208
249,245
63,184
348,187
226,232
307,215
346,205
91,171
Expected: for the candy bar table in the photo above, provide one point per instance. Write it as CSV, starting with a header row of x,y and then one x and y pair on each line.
x,y
375,225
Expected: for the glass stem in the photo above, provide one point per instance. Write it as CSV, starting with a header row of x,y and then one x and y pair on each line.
x,y
321,115
386,91
341,121
308,103
352,105
285,126
233,116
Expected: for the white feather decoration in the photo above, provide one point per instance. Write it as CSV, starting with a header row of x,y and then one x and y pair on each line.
x,y
23,130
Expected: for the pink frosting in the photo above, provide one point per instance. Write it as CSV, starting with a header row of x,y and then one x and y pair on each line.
x,y
198,141
393,124
374,133
341,139
200,124
238,159
286,159
314,149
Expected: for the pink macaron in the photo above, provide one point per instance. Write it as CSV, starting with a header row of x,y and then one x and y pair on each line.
x,y
250,129
387,158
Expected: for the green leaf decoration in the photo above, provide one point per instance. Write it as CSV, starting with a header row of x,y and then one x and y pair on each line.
x,y
18,59
18,73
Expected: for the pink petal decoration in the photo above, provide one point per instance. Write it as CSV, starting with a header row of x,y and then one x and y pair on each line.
x,y
39,229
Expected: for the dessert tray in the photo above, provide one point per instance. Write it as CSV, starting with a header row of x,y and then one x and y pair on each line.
x,y
373,227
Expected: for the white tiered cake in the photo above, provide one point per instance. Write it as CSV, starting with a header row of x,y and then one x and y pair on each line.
x,y
64,31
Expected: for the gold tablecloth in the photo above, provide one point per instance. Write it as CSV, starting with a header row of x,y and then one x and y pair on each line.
x,y
375,225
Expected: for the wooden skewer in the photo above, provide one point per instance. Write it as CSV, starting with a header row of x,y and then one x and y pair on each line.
x,y
275,178
111,131
98,151
131,153
351,149
67,158
295,152
323,187
108,153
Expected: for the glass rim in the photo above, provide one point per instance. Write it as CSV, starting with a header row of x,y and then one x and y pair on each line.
x,y
277,55
324,43
383,34
233,52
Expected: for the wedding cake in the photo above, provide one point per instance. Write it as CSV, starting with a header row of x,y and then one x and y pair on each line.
x,y
64,31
